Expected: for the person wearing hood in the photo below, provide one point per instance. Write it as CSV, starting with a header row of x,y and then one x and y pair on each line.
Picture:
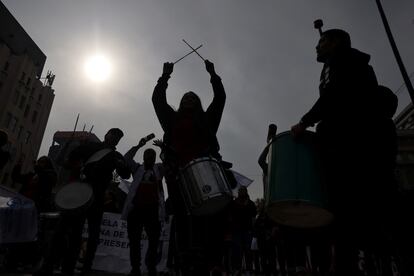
x,y
191,133
350,119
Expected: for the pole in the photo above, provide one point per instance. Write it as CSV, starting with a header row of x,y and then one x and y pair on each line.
x,y
396,52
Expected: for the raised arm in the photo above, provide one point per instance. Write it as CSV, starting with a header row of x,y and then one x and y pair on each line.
x,y
215,110
129,156
159,98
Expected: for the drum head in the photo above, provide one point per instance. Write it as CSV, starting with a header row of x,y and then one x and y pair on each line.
x,y
73,196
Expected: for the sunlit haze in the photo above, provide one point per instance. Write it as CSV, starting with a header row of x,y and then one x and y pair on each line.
x,y
97,68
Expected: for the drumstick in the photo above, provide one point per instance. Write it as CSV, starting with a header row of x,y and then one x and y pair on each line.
x,y
193,49
188,54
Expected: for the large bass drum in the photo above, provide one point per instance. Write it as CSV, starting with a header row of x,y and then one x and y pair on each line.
x,y
204,186
295,192
74,197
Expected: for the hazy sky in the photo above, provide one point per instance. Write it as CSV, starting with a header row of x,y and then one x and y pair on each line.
x,y
263,50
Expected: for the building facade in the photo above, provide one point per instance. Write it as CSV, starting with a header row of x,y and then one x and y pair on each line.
x,y
25,100
405,158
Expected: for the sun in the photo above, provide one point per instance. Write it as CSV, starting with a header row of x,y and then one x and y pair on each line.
x,y
98,68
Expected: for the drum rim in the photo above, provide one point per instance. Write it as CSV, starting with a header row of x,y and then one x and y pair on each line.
x,y
288,132
326,212
197,160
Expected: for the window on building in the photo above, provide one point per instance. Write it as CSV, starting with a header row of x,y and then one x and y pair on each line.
x,y
34,116
16,97
19,133
23,76
27,110
39,98
7,122
28,81
22,101
32,92
6,66
27,137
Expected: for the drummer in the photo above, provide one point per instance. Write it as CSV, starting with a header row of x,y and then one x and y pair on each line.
x,y
97,165
351,126
190,133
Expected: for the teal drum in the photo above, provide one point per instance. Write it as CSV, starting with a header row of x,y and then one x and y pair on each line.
x,y
295,191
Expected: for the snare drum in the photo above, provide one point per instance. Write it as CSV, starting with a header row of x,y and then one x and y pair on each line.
x,y
295,194
204,186
74,197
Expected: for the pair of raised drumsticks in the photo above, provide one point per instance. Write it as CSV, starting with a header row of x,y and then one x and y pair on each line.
x,y
194,50
317,25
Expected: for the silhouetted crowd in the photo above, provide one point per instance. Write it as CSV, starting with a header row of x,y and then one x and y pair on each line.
x,y
331,203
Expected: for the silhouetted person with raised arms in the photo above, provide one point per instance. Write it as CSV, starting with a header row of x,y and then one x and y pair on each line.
x,y
144,207
351,125
190,133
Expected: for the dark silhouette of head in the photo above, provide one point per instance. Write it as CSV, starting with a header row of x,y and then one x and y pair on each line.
x,y
389,101
149,158
4,138
43,163
190,102
242,193
113,136
332,42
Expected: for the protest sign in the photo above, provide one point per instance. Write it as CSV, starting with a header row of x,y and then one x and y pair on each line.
x,y
112,254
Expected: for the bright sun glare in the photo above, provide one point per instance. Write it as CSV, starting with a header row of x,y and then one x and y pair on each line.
x,y
98,68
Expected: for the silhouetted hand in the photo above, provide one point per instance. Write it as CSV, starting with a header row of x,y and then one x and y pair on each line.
x,y
158,142
209,67
168,68
298,130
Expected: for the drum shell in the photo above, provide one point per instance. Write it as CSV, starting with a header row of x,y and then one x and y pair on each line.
x,y
295,192
204,186
74,198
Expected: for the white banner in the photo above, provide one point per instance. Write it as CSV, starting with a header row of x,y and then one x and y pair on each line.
x,y
112,254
